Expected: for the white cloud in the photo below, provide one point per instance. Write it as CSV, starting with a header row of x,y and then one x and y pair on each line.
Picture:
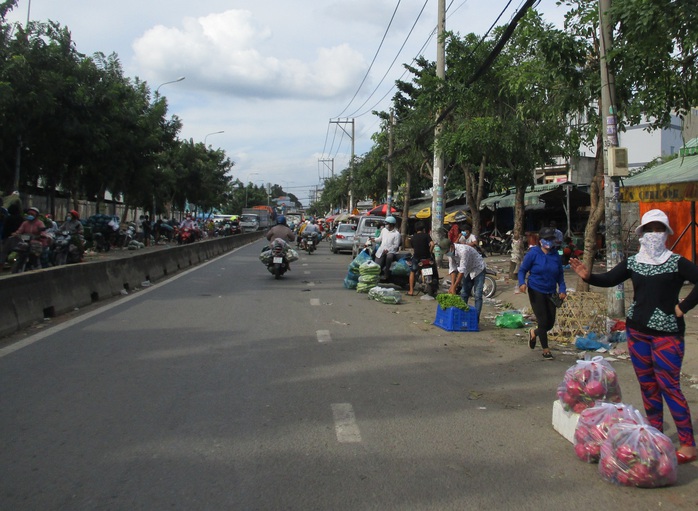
x,y
222,51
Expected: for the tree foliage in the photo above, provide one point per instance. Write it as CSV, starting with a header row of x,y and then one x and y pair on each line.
x,y
77,125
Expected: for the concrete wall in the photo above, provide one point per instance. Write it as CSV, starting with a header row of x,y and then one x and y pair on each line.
x,y
30,297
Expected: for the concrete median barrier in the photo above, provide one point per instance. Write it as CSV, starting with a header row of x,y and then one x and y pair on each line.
x,y
33,296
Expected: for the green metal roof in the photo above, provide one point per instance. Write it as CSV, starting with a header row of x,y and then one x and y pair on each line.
x,y
531,198
680,170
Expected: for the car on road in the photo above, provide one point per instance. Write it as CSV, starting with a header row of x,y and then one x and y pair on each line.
x,y
367,227
342,238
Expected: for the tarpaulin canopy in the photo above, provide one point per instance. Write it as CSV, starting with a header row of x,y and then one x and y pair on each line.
x,y
540,197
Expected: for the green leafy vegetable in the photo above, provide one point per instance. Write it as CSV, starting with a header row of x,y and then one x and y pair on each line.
x,y
445,301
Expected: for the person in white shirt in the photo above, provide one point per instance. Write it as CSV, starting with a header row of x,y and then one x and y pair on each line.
x,y
390,241
467,262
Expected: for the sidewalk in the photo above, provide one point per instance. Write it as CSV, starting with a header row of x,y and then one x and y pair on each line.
x,y
507,293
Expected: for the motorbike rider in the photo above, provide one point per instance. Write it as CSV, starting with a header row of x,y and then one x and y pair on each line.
x,y
189,223
72,223
422,248
281,231
32,224
390,241
313,230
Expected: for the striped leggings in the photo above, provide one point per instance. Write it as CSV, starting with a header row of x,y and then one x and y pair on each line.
x,y
657,363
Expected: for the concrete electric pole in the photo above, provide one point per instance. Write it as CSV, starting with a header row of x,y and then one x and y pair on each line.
x,y
339,122
437,201
609,124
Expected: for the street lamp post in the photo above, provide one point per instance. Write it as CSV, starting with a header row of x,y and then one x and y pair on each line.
x,y
171,81
214,133
157,89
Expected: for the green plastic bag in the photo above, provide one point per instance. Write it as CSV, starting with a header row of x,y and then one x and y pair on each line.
x,y
509,320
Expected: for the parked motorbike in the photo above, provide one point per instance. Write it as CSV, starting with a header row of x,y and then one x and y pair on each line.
x,y
493,244
426,279
490,287
28,254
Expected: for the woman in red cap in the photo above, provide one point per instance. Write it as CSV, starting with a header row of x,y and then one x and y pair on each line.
x,y
655,323
72,223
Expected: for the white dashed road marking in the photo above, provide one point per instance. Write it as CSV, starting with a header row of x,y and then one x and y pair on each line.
x,y
345,425
314,301
323,336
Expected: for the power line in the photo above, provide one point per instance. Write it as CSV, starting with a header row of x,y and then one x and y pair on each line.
x,y
394,60
385,34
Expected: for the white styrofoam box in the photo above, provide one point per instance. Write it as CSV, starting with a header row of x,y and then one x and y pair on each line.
x,y
564,422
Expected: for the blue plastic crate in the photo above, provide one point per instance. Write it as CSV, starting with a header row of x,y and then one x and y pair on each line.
x,y
454,319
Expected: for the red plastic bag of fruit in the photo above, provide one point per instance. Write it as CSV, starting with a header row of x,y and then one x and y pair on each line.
x,y
594,424
589,382
638,455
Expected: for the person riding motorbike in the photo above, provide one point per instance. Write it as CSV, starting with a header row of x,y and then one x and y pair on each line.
x,y
189,223
34,227
281,231
72,223
313,229
390,241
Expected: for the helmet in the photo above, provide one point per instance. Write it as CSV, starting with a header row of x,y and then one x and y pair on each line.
x,y
75,214
390,220
546,233
35,210
281,219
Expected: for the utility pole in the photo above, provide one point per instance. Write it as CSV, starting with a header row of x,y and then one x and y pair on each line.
x,y
324,162
437,200
339,122
389,199
615,297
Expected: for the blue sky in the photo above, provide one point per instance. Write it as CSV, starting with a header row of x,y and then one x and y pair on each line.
x,y
269,73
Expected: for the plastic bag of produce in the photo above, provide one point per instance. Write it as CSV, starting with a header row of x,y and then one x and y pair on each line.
x,y
588,382
370,268
360,259
369,279
291,255
400,267
364,287
638,455
595,423
385,295
509,320
351,281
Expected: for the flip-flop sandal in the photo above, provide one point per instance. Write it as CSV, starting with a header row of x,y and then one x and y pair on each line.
x,y
547,355
532,339
682,459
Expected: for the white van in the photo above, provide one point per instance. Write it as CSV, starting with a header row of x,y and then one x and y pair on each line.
x,y
366,228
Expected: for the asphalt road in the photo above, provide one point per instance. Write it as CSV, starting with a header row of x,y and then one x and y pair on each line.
x,y
223,389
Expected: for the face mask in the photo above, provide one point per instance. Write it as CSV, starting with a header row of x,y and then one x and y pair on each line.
x,y
546,244
653,248
68,218
30,217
